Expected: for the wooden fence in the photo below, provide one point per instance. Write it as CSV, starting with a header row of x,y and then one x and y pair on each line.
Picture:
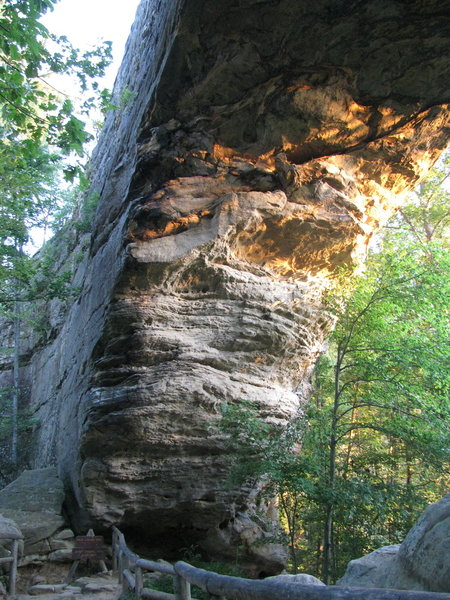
x,y
131,567
12,560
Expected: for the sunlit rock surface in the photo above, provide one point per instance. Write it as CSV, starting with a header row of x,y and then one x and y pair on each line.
x,y
261,145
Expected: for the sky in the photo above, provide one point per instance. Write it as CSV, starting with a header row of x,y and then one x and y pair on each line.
x,y
85,22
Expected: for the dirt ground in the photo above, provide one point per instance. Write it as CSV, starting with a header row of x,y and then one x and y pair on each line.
x,y
48,583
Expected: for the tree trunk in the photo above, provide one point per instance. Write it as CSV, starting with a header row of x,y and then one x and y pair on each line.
x,y
328,528
16,382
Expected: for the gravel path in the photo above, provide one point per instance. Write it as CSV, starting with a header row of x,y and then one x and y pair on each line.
x,y
97,587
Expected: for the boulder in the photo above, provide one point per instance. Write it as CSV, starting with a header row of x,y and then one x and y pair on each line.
x,y
95,588
300,578
421,562
374,571
64,555
425,552
65,534
102,582
42,589
258,554
38,490
35,526
9,530
31,507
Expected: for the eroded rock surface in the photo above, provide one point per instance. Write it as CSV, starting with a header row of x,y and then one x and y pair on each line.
x,y
265,142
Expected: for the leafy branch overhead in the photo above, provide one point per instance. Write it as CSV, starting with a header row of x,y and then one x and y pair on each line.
x,y
38,124
29,56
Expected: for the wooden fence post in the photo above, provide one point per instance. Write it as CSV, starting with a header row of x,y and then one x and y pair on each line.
x,y
115,552
13,568
182,588
219,587
139,582
124,565
120,564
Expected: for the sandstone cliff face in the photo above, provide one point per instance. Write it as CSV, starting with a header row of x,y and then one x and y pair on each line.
x,y
265,143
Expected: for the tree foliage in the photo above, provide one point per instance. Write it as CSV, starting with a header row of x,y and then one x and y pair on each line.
x,y
30,106
383,392
374,442
38,124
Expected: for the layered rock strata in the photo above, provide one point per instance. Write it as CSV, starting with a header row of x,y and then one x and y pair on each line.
x,y
265,142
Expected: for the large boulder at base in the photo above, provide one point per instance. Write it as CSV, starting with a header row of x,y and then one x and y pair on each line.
x,y
39,490
421,562
425,552
371,571
33,502
267,557
35,526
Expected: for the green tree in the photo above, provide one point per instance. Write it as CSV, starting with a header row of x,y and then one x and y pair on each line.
x,y
38,124
29,54
374,442
425,219
384,389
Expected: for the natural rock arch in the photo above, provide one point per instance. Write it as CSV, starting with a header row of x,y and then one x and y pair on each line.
x,y
265,142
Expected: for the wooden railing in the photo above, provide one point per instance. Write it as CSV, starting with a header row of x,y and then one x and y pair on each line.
x,y
235,588
13,568
130,568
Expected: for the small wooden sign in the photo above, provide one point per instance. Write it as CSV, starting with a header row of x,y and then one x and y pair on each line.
x,y
88,547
